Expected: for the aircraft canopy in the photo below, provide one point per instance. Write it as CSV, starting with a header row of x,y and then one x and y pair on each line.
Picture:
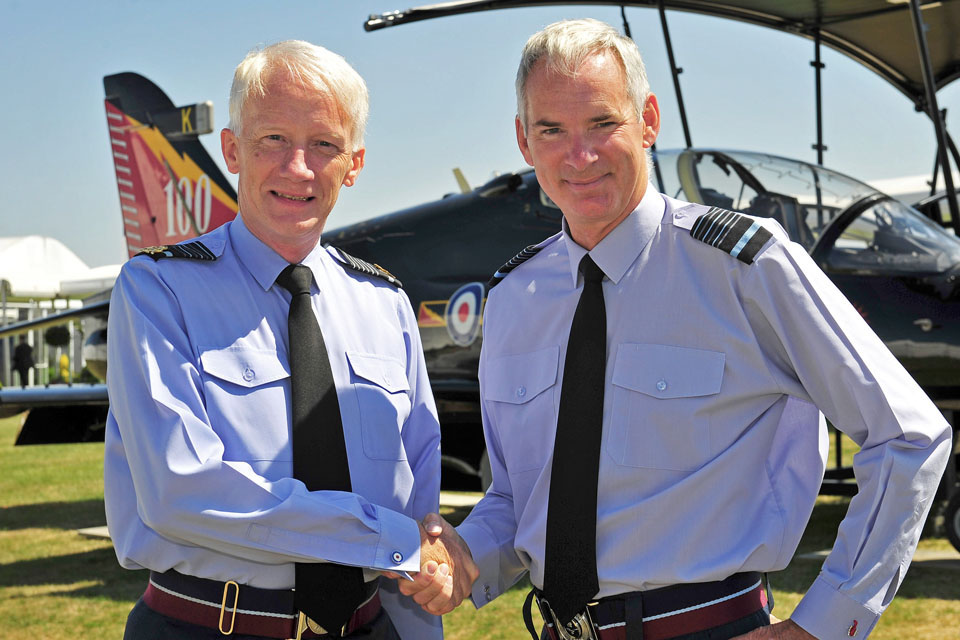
x,y
877,33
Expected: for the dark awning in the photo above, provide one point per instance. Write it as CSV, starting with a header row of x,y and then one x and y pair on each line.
x,y
877,33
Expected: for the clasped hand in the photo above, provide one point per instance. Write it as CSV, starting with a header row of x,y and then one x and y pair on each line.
x,y
447,571
778,630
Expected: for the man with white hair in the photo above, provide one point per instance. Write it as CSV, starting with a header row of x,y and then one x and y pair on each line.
x,y
272,440
652,381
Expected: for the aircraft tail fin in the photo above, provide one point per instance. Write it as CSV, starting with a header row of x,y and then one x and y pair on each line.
x,y
170,188
461,180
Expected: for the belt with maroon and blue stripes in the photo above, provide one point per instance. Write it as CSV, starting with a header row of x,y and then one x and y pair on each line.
x,y
665,613
242,609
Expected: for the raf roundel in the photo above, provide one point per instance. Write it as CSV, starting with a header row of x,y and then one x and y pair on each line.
x,y
462,316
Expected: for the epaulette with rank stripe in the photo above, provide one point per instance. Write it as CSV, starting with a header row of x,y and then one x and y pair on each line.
x,y
369,268
194,250
513,263
737,234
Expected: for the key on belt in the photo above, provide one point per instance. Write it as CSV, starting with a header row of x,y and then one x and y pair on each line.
x,y
580,627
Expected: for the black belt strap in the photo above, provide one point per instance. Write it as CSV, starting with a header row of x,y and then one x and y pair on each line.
x,y
633,616
528,615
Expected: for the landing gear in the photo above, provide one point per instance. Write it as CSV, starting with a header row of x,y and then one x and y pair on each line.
x,y
951,520
486,475
950,487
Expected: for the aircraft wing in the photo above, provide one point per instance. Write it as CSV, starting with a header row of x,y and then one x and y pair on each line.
x,y
98,308
17,399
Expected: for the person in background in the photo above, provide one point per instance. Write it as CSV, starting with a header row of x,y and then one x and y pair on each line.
x,y
23,360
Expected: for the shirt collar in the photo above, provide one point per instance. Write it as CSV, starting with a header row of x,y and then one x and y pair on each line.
x,y
619,249
263,263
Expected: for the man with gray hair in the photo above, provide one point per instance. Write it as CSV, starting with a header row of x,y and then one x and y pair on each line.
x,y
272,441
652,380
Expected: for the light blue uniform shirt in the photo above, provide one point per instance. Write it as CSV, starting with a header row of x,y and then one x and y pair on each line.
x,y
713,446
198,467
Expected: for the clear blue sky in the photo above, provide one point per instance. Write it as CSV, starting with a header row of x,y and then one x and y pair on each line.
x,y
441,97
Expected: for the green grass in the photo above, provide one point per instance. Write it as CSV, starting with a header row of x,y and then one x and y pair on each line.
x,y
54,583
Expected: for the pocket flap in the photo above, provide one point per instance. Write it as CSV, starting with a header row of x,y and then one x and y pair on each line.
x,y
244,366
521,378
380,370
665,371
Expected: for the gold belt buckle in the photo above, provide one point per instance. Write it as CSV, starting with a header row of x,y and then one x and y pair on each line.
x,y
223,605
304,622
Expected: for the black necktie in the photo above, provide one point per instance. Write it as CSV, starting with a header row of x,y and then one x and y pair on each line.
x,y
327,593
570,562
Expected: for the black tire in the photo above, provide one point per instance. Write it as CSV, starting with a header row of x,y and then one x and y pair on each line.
x,y
951,520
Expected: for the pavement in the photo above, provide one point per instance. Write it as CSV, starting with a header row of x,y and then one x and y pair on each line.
x,y
447,499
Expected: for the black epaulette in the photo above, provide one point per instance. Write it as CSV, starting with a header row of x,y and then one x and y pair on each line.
x,y
513,263
194,250
369,268
739,235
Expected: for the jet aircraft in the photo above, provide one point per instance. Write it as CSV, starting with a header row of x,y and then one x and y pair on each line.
x,y
900,270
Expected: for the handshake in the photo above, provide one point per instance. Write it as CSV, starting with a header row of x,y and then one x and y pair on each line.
x,y
447,571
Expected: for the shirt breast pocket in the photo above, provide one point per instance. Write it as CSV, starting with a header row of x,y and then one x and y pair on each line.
x,y
518,391
382,390
244,390
661,405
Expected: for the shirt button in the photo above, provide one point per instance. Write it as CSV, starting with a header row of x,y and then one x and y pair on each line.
x,y
661,385
521,391
248,374
486,592
397,557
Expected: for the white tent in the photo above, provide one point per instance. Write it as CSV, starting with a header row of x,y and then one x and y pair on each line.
x,y
33,266
41,267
